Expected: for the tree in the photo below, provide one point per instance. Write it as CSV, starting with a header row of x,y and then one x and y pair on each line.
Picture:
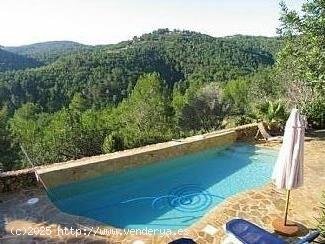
x,y
73,107
78,103
26,130
143,118
305,43
236,95
203,109
68,138
64,135
103,74
7,149
264,85
301,61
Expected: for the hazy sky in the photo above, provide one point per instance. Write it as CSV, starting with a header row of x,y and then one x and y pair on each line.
x,y
111,21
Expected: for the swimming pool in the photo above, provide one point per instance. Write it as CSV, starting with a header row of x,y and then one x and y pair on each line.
x,y
170,194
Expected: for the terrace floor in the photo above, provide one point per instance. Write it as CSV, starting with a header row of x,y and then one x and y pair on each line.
x,y
44,223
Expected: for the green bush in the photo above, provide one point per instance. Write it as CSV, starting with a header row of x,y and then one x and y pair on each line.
x,y
202,108
236,95
315,112
113,142
233,121
271,112
6,148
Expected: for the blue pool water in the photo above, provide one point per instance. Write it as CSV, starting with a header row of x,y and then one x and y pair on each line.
x,y
171,194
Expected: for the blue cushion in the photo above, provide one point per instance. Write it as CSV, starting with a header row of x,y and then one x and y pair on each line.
x,y
309,237
249,233
183,241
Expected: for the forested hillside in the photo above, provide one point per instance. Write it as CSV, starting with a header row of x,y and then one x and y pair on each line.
x,y
47,52
160,86
74,105
105,75
11,61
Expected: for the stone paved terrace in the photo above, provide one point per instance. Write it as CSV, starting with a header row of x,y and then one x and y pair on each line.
x,y
260,206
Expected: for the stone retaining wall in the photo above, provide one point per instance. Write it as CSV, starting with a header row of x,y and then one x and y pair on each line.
x,y
85,168
246,132
88,167
16,180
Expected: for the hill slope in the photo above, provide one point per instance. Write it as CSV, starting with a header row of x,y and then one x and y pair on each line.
x,y
106,74
47,52
12,61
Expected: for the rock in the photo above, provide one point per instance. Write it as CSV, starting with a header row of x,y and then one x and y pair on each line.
x,y
236,207
258,196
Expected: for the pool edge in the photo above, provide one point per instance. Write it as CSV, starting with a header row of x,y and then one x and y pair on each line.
x,y
86,168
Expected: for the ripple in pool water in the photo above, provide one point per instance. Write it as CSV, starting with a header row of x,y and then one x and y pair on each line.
x,y
171,194
190,198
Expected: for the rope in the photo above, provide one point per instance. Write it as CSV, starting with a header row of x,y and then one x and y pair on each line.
x,y
38,177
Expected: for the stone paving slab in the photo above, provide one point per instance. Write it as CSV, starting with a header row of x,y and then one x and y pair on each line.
x,y
260,206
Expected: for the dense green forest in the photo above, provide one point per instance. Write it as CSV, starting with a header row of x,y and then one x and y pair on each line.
x,y
48,52
85,100
12,61
105,75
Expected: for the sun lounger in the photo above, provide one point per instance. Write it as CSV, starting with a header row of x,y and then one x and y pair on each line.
x,y
266,136
309,237
243,231
183,241
249,233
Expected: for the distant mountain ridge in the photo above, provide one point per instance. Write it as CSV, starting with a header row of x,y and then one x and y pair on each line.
x,y
47,52
12,61
106,74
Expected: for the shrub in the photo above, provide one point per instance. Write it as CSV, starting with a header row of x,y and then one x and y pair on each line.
x,y
113,142
203,110
236,95
315,112
271,112
233,121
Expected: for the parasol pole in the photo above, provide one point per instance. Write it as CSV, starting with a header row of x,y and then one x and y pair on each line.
x,y
286,208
